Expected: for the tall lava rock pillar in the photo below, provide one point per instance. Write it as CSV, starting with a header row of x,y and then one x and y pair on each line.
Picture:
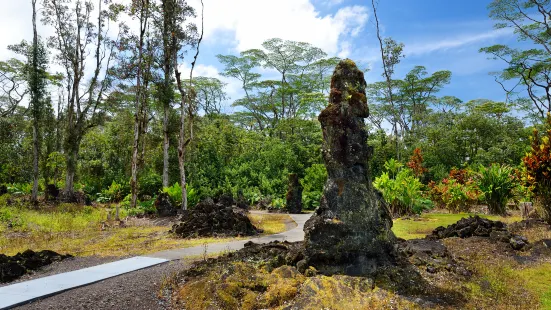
x,y
351,230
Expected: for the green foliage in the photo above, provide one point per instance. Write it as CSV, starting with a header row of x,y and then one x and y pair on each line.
x,y
404,193
114,193
20,188
278,203
175,193
312,184
537,168
146,207
150,184
497,184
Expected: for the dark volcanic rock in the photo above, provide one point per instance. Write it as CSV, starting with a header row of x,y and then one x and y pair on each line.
x,y
209,219
13,267
3,189
51,192
241,201
164,206
294,195
351,230
430,254
476,226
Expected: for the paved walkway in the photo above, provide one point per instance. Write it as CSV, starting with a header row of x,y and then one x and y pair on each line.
x,y
24,292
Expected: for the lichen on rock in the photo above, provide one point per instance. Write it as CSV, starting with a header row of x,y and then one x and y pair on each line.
x,y
351,230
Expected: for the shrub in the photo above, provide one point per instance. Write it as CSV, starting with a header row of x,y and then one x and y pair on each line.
x,y
312,184
497,184
115,193
538,168
404,192
454,196
150,184
416,163
278,203
175,194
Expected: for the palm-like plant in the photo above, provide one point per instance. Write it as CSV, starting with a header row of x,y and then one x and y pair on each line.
x,y
496,184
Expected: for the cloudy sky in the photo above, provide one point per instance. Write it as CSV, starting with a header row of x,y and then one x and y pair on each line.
x,y
440,35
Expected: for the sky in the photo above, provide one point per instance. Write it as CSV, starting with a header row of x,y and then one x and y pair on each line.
x,y
438,34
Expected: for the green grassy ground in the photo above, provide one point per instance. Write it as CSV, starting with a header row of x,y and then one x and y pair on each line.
x,y
83,231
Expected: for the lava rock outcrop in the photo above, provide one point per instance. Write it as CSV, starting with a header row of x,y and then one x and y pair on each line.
x,y
210,219
476,226
294,195
351,230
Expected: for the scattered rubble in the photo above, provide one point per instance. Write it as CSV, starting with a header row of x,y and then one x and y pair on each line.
x,y
13,267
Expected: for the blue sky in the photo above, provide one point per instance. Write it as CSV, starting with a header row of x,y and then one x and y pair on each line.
x,y
438,34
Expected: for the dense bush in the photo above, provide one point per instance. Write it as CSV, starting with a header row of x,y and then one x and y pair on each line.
x,y
403,191
497,184
453,195
175,194
312,184
114,193
537,164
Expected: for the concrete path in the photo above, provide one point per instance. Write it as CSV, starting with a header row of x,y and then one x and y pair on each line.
x,y
25,292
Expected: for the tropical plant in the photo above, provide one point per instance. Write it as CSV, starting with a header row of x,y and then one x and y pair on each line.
x,y
416,163
404,193
497,184
538,169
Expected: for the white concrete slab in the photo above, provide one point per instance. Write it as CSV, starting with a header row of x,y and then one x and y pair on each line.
x,y
24,292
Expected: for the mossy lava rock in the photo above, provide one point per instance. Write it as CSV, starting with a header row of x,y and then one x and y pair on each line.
x,y
351,230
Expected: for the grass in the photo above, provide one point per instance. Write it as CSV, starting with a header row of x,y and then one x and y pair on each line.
x,y
77,230
412,229
271,223
538,280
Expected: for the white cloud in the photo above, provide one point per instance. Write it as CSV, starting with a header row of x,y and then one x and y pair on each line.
x,y
233,86
331,3
251,22
444,44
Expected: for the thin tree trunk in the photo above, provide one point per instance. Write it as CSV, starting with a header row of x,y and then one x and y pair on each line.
x,y
387,76
35,106
139,106
166,145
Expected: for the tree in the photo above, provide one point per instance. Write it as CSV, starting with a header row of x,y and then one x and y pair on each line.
x,y
180,38
37,85
300,93
13,85
391,52
209,94
77,35
416,92
531,67
143,10
164,21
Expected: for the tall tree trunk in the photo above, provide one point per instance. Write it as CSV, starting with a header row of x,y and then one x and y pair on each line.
x,y
35,97
71,159
138,122
166,145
